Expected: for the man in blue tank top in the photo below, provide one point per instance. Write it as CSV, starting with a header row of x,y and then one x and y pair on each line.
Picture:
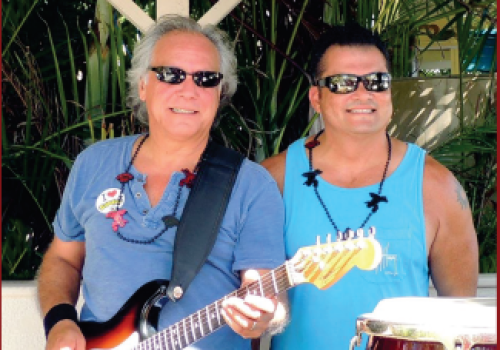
x,y
352,176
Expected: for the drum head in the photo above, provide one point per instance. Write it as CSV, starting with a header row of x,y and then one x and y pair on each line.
x,y
442,323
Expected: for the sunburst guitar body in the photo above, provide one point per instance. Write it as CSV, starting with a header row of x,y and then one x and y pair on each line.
x,y
132,327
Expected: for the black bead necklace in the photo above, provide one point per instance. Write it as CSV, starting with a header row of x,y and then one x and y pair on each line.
x,y
169,220
376,198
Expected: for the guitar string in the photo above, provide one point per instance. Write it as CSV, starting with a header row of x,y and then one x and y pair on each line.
x,y
170,333
176,335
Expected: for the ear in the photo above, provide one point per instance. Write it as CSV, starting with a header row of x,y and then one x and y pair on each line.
x,y
142,89
314,97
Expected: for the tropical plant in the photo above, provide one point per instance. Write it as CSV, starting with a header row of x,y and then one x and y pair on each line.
x,y
64,87
44,122
471,154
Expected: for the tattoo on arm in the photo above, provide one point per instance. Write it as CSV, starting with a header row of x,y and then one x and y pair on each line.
x,y
461,195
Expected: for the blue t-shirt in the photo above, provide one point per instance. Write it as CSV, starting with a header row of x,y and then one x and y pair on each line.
x,y
326,319
250,237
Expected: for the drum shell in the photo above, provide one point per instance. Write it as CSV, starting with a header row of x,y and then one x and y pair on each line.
x,y
386,343
423,323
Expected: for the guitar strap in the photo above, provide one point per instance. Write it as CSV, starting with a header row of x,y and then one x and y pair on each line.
x,y
202,216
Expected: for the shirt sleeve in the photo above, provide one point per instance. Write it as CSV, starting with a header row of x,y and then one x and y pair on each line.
x,y
261,241
66,225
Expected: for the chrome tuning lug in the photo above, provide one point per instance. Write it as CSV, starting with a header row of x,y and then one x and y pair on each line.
x,y
340,236
350,234
317,250
360,233
328,248
371,231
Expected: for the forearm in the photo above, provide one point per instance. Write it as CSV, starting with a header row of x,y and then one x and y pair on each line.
x,y
58,282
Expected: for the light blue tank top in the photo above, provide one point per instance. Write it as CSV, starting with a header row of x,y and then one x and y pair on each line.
x,y
326,319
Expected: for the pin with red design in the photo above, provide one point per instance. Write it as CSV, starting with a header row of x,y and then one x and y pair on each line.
x,y
188,180
118,219
125,177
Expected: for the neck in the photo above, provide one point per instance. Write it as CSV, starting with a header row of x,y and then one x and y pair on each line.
x,y
352,149
175,154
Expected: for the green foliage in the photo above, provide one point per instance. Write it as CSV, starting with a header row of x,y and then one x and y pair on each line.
x,y
64,88
20,259
471,154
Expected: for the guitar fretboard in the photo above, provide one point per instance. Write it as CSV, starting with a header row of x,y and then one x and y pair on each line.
x,y
209,319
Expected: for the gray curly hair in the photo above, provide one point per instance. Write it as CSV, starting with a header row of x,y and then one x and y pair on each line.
x,y
143,53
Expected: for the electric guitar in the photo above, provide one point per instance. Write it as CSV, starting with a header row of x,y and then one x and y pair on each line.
x,y
321,265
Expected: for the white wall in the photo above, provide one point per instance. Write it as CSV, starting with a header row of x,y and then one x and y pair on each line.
x,y
22,324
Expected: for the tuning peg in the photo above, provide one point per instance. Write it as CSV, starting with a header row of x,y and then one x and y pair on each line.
x,y
350,234
371,231
328,248
360,233
317,250
339,236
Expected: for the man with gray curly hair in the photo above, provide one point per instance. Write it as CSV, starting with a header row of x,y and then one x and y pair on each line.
x,y
115,228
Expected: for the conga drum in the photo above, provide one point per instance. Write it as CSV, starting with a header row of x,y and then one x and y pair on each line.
x,y
421,323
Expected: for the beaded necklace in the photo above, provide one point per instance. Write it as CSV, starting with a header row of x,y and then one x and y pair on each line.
x,y
376,198
169,220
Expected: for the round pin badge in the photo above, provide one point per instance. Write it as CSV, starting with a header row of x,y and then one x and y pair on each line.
x,y
108,200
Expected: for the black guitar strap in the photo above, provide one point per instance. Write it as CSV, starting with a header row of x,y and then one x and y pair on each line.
x,y
202,216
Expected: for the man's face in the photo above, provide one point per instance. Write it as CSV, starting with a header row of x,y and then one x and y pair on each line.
x,y
358,112
184,110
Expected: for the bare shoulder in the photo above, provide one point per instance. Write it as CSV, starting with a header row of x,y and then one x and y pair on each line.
x,y
441,185
450,233
276,167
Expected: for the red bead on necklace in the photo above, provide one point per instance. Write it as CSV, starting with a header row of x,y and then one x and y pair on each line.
x,y
169,220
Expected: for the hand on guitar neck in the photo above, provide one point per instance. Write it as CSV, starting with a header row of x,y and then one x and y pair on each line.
x,y
251,316
247,310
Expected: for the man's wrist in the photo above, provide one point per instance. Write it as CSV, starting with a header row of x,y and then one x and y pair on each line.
x,y
58,313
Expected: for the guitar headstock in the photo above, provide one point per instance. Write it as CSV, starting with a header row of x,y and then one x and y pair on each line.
x,y
324,264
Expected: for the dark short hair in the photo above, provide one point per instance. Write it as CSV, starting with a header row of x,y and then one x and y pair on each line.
x,y
350,34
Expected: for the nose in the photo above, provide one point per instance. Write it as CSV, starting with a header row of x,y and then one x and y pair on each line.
x,y
188,88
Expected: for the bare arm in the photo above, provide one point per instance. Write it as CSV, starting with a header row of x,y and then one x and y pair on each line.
x,y
253,316
59,283
451,237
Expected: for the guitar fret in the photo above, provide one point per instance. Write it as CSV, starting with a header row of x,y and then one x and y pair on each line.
x,y
208,318
179,335
185,331
218,313
172,341
165,340
261,287
192,328
155,343
201,324
274,282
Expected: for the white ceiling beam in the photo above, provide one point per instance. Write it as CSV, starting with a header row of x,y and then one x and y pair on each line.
x,y
172,7
133,13
220,10
142,21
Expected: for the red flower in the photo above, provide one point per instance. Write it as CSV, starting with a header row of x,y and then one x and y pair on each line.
x,y
188,180
124,177
312,144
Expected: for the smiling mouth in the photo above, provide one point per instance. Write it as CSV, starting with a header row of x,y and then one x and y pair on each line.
x,y
182,111
361,110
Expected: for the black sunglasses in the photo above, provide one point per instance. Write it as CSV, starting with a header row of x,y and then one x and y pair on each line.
x,y
174,75
347,83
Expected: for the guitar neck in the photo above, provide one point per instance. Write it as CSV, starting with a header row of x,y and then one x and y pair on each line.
x,y
209,319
